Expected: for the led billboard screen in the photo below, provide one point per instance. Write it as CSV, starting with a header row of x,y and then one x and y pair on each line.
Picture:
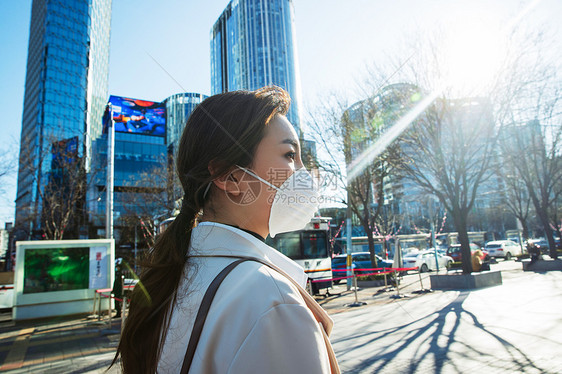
x,y
56,269
138,116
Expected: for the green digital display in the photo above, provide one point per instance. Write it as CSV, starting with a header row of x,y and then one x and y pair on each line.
x,y
56,269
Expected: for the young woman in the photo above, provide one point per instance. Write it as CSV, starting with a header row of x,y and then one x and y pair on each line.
x,y
240,167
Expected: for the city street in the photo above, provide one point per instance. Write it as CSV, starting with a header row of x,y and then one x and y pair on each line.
x,y
513,328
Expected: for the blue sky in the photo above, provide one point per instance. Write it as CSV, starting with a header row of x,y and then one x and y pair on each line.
x,y
335,40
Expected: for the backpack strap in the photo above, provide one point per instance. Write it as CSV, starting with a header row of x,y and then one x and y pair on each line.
x,y
202,314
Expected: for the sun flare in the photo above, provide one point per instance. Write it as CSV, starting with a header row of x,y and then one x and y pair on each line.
x,y
473,55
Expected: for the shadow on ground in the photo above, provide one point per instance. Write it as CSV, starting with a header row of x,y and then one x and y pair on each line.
x,y
431,338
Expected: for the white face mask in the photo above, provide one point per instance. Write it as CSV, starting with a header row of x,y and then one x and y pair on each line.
x,y
294,204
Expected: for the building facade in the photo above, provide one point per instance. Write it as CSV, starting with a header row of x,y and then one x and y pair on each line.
x,y
253,44
65,94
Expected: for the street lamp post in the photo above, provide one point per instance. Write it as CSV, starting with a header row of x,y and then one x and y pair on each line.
x,y
110,175
349,242
432,226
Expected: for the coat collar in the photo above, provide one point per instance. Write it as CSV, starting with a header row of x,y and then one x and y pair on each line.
x,y
217,239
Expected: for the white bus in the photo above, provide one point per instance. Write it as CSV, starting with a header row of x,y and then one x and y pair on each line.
x,y
310,248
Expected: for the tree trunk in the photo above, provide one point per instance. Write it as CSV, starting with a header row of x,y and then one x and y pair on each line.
x,y
371,242
459,218
548,232
542,212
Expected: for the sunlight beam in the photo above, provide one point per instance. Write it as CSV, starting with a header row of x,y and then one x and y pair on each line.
x,y
374,150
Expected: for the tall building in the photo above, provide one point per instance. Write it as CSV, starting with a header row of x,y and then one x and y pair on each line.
x,y
140,167
178,110
65,94
253,44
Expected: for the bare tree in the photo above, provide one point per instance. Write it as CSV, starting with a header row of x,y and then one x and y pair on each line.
x,y
533,120
58,172
540,168
8,163
518,201
450,142
447,153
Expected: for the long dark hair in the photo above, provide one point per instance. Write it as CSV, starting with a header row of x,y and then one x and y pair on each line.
x,y
224,129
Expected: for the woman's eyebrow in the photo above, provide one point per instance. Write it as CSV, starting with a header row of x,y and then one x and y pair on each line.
x,y
291,142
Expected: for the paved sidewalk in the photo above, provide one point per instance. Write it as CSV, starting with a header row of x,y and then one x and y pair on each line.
x,y
58,346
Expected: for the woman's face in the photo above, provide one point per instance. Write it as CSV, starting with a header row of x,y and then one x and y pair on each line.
x,y
247,203
277,156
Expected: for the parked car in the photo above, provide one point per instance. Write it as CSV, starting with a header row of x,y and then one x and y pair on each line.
x,y
425,260
503,248
454,251
359,260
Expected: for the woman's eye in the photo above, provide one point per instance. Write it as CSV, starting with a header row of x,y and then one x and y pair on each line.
x,y
291,155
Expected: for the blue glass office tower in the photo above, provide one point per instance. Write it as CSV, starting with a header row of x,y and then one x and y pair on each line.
x,y
253,44
178,110
65,91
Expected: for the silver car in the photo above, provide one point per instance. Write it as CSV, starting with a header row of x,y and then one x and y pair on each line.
x,y
503,248
425,261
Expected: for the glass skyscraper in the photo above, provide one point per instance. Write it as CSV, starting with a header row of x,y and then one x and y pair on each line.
x,y
178,110
65,93
253,44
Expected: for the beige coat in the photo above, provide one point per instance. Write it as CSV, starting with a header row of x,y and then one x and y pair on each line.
x,y
260,321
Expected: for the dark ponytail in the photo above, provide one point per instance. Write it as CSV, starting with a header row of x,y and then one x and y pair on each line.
x,y
224,129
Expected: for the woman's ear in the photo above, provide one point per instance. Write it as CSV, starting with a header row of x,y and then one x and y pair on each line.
x,y
229,182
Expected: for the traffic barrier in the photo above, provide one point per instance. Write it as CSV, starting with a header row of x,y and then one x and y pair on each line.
x,y
374,271
357,302
107,293
422,290
385,282
98,295
397,296
384,271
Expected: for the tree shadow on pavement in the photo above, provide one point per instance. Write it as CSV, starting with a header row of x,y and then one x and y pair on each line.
x,y
431,337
